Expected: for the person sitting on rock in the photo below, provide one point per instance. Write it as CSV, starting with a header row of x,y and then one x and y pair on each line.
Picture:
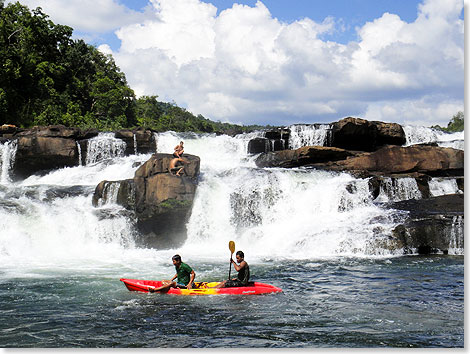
x,y
174,169
179,150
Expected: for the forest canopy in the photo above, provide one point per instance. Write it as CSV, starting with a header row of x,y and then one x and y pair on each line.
x,y
48,78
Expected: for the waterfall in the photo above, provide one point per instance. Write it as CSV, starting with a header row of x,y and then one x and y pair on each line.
x,y
456,243
287,214
442,186
110,193
7,159
104,146
397,189
135,145
420,135
308,135
270,213
79,154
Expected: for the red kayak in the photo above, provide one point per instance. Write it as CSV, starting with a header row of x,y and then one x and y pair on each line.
x,y
202,288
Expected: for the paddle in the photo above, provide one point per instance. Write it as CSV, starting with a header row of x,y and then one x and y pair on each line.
x,y
231,247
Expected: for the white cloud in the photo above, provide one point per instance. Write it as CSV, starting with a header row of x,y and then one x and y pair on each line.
x,y
243,65
87,15
426,111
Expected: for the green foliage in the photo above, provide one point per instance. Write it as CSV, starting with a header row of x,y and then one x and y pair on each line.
x,y
163,116
47,78
456,124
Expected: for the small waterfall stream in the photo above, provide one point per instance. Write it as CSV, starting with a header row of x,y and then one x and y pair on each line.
x,y
7,159
308,135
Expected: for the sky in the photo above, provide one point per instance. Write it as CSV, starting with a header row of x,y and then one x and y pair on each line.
x,y
282,62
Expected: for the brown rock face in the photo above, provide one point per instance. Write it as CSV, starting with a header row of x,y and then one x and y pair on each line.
x,y
37,153
306,155
47,148
431,160
161,201
140,139
362,135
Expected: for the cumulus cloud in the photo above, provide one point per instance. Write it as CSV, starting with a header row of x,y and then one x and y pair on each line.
x,y
245,66
88,16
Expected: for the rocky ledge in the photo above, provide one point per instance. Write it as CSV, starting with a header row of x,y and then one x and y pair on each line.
x,y
42,149
349,133
422,159
160,201
432,225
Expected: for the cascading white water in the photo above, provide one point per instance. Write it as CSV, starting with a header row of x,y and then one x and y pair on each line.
x,y
135,145
397,189
49,220
308,135
456,244
419,135
287,214
79,148
7,159
278,213
283,213
442,186
104,146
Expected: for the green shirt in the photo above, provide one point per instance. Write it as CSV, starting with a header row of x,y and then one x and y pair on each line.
x,y
184,273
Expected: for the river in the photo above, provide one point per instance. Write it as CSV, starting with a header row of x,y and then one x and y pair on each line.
x,y
305,231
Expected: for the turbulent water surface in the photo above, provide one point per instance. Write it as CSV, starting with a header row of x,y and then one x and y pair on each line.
x,y
317,235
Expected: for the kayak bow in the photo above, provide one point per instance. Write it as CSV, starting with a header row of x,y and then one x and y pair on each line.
x,y
202,288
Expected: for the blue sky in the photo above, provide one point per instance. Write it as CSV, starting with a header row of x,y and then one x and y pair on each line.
x,y
283,62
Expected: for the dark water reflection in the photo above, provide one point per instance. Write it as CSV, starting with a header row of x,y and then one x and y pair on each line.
x,y
401,302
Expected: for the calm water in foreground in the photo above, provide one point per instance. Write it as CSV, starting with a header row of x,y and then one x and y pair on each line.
x,y
396,302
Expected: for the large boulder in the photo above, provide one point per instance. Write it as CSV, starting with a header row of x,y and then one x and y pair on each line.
x,y
42,149
141,141
259,145
434,225
423,159
306,155
362,135
161,201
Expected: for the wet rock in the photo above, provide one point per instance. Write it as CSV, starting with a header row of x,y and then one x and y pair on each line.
x,y
139,140
259,145
42,153
362,135
42,149
430,160
303,156
433,225
160,201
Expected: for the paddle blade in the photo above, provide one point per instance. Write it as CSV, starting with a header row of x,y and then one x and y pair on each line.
x,y
231,246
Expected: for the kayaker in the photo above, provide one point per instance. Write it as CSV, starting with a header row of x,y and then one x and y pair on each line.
x,y
184,276
243,273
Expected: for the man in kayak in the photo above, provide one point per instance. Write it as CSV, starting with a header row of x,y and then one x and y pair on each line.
x,y
184,276
243,273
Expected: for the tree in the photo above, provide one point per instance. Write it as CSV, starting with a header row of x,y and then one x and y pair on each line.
x,y
48,78
456,124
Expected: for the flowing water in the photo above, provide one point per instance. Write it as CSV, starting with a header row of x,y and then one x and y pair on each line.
x,y
316,234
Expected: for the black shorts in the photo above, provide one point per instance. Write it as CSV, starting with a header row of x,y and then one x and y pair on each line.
x,y
233,284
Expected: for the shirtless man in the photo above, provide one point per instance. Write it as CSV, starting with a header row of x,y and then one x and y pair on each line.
x,y
176,170
179,150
